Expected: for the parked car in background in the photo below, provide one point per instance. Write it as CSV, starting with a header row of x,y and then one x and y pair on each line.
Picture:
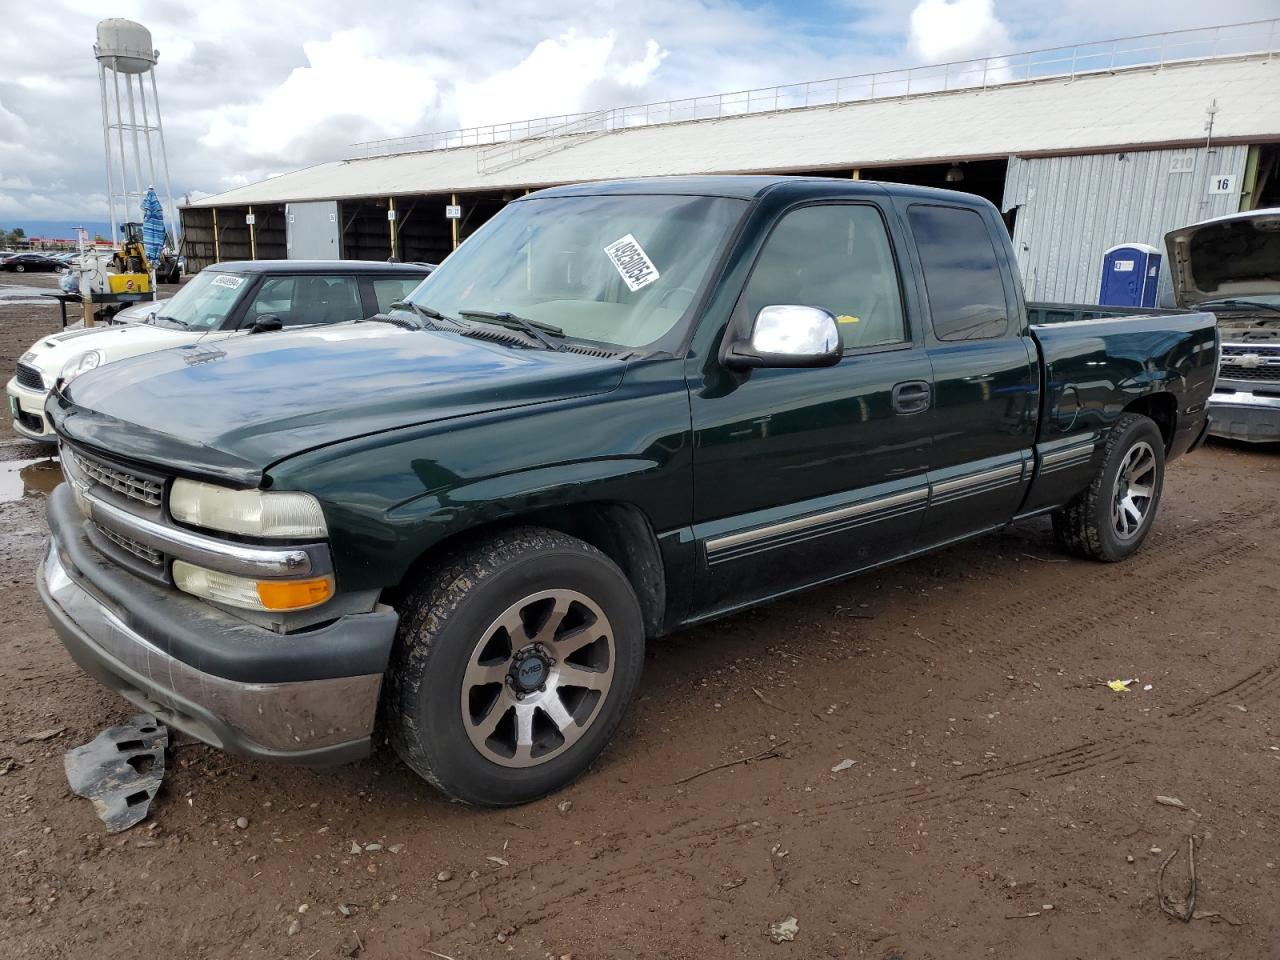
x,y
618,409
29,263
1231,265
222,301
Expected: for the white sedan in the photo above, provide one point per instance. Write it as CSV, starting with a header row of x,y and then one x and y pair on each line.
x,y
224,300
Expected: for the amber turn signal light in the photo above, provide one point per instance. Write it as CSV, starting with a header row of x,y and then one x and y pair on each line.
x,y
294,594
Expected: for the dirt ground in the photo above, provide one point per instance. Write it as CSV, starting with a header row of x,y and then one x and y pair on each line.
x,y
1001,802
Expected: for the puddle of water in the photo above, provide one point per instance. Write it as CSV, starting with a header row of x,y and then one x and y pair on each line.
x,y
9,294
28,478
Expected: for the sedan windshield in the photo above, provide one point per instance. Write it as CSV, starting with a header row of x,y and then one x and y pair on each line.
x,y
621,270
203,303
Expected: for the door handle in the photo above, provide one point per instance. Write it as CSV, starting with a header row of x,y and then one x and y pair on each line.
x,y
912,396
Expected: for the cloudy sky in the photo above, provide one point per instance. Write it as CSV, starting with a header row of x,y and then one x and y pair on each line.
x,y
252,88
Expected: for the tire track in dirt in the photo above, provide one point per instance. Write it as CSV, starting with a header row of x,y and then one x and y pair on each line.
x,y
1194,553
1188,552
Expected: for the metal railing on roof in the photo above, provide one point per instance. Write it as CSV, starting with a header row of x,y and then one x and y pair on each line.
x,y
1257,37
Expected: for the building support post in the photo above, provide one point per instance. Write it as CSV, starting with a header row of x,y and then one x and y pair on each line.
x,y
391,225
453,223
855,174
253,234
217,247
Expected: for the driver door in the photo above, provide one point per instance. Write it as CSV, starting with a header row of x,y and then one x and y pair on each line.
x,y
802,475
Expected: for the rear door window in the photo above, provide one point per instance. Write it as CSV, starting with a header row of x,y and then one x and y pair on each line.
x,y
393,289
962,275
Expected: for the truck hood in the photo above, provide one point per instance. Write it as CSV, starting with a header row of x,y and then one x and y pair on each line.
x,y
50,354
1232,256
233,408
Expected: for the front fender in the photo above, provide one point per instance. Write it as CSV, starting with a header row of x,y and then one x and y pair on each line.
x,y
390,498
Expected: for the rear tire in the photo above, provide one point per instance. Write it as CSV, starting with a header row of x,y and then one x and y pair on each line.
x,y
1110,519
515,662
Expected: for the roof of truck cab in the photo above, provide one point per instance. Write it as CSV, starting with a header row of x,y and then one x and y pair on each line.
x,y
746,187
319,266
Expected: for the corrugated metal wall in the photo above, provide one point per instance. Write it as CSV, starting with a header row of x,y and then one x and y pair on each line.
x,y
1071,209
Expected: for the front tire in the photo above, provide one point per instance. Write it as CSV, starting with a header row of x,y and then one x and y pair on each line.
x,y
1111,518
515,662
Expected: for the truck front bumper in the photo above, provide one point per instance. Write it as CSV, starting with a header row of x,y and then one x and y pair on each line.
x,y
206,672
1246,410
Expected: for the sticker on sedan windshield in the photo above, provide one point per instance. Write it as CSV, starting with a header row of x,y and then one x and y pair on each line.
x,y
226,280
631,262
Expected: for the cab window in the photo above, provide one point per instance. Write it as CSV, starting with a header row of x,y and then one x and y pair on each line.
x,y
835,256
961,273
298,301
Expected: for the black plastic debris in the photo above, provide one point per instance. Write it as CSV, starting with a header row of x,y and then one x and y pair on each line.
x,y
120,770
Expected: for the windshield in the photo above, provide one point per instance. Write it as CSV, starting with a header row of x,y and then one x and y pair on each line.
x,y
204,302
620,270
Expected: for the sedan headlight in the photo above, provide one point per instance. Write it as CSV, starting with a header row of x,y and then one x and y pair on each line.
x,y
79,364
249,513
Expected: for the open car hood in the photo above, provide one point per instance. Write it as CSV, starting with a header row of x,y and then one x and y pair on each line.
x,y
1232,256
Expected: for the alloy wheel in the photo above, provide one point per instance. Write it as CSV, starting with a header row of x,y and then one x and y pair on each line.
x,y
537,678
1134,491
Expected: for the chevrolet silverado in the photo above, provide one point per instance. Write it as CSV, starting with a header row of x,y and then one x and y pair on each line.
x,y
617,410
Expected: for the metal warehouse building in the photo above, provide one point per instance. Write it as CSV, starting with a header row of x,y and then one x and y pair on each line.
x,y
1082,148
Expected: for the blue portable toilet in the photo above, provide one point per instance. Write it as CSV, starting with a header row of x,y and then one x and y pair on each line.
x,y
1130,276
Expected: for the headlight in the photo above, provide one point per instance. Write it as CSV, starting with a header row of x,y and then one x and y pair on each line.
x,y
249,513
80,364
268,595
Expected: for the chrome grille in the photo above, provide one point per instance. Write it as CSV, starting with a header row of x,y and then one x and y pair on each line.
x,y
1230,371
29,377
139,550
1262,350
143,489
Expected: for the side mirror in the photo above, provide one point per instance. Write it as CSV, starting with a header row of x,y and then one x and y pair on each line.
x,y
266,324
788,335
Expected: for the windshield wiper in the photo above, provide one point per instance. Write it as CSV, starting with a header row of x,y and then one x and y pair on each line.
x,y
534,328
430,313
181,323
1240,304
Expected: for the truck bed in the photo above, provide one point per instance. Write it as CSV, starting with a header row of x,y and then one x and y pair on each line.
x,y
1093,369
1046,313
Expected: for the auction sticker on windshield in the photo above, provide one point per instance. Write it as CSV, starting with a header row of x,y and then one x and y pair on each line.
x,y
228,281
631,262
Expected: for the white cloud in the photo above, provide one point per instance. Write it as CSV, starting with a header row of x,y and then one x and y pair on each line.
x,y
251,88
947,30
556,77
346,86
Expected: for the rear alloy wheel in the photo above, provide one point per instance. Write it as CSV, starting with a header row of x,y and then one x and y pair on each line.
x,y
1111,517
1133,493
19,268
515,662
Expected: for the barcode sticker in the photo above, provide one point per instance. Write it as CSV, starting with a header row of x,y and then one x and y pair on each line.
x,y
632,263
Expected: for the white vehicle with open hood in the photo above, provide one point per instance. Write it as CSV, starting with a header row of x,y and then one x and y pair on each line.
x,y
224,300
1231,265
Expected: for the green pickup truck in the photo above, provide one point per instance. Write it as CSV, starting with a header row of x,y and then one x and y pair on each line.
x,y
617,410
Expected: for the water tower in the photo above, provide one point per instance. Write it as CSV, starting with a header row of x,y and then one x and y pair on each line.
x,y
132,133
